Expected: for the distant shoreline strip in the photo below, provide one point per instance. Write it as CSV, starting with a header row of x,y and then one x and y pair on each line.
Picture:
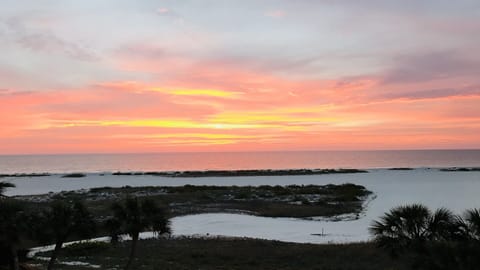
x,y
234,173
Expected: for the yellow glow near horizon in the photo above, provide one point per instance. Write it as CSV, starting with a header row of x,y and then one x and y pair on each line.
x,y
199,138
167,123
210,136
198,142
198,92
228,121
270,118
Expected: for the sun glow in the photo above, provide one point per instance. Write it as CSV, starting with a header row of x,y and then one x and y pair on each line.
x,y
165,123
199,92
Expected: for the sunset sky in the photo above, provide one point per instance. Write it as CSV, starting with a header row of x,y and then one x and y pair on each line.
x,y
151,76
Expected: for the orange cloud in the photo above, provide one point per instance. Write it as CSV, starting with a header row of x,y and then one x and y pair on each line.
x,y
223,107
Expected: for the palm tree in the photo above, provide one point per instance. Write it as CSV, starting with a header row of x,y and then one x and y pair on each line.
x,y
113,226
4,186
12,228
442,225
402,227
438,240
460,246
472,221
132,217
412,226
62,221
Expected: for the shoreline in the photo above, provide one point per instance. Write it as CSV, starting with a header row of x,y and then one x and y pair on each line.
x,y
28,184
235,173
457,191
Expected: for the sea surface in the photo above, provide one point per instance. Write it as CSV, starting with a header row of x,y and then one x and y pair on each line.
x,y
91,163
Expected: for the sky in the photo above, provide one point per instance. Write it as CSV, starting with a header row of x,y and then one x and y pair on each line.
x,y
165,76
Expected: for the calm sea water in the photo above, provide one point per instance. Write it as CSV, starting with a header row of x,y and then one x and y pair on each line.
x,y
243,160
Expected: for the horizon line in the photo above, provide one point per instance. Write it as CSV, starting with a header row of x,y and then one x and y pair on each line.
x,y
219,152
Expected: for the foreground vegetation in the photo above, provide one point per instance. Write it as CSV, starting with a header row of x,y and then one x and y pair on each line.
x,y
22,225
27,221
222,253
406,237
437,240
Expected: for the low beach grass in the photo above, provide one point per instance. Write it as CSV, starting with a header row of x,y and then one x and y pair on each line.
x,y
300,201
233,253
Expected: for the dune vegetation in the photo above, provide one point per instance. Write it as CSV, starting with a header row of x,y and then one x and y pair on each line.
x,y
28,221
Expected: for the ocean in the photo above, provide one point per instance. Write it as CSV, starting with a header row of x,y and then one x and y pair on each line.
x,y
91,163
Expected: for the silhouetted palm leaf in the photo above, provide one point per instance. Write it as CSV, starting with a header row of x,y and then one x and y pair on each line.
x,y
402,227
442,225
472,218
62,221
439,240
134,216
